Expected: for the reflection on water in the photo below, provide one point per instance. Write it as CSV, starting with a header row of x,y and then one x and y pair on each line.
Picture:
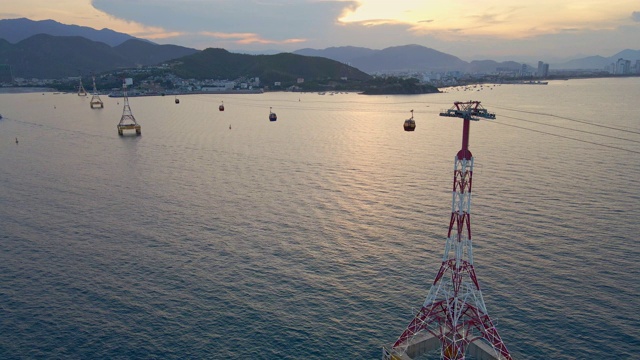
x,y
224,235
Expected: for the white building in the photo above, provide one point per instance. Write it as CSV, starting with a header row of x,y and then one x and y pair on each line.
x,y
623,67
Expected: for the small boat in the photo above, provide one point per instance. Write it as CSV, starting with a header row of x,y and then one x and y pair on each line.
x,y
272,115
410,124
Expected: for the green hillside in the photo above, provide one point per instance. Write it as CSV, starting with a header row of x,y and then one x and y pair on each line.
x,y
285,68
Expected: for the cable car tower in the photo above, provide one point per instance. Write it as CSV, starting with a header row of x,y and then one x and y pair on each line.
x,y
95,98
81,90
127,121
454,317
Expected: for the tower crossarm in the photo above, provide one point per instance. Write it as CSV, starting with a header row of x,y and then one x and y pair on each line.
x,y
469,109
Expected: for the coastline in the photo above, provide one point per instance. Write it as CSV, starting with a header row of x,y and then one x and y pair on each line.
x,y
119,94
24,90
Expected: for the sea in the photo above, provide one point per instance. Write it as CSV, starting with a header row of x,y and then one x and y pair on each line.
x,y
223,235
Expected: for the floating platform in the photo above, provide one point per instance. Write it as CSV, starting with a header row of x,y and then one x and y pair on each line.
x,y
135,127
97,103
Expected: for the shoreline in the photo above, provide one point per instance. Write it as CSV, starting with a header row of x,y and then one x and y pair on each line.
x,y
225,92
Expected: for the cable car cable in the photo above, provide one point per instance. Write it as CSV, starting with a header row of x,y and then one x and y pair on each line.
x,y
567,128
567,118
565,137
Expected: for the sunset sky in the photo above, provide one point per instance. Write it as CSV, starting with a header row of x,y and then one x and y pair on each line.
x,y
548,30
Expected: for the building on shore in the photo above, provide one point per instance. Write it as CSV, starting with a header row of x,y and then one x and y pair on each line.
x,y
543,69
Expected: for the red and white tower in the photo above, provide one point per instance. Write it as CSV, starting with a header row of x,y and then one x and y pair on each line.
x,y
454,316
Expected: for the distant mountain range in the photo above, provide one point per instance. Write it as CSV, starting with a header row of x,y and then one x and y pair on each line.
x,y
16,30
420,58
48,49
51,57
392,59
598,62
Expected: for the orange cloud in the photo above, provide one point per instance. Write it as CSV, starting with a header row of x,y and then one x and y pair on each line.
x,y
248,38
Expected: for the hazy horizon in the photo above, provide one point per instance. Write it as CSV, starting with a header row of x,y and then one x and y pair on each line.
x,y
499,31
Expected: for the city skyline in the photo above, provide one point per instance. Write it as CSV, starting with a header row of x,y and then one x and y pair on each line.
x,y
499,30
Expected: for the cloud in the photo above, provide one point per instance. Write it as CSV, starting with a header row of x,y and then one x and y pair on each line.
x,y
276,21
556,29
248,38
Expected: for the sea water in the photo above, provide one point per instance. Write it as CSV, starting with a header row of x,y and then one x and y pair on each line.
x,y
223,235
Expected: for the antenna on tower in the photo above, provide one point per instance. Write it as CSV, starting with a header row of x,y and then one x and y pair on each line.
x,y
127,121
454,317
95,98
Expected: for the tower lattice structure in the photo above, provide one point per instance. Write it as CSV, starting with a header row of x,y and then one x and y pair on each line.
x,y
95,97
454,313
81,90
127,121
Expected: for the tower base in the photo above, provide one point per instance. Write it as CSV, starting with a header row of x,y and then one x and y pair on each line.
x,y
96,104
426,342
135,127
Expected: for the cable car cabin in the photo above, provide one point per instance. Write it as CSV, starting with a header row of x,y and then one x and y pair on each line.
x,y
410,124
221,107
177,101
272,115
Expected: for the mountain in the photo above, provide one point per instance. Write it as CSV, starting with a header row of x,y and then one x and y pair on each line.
x,y
47,56
408,58
146,53
284,67
487,66
392,59
420,58
627,54
16,30
50,57
590,62
599,62
344,54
